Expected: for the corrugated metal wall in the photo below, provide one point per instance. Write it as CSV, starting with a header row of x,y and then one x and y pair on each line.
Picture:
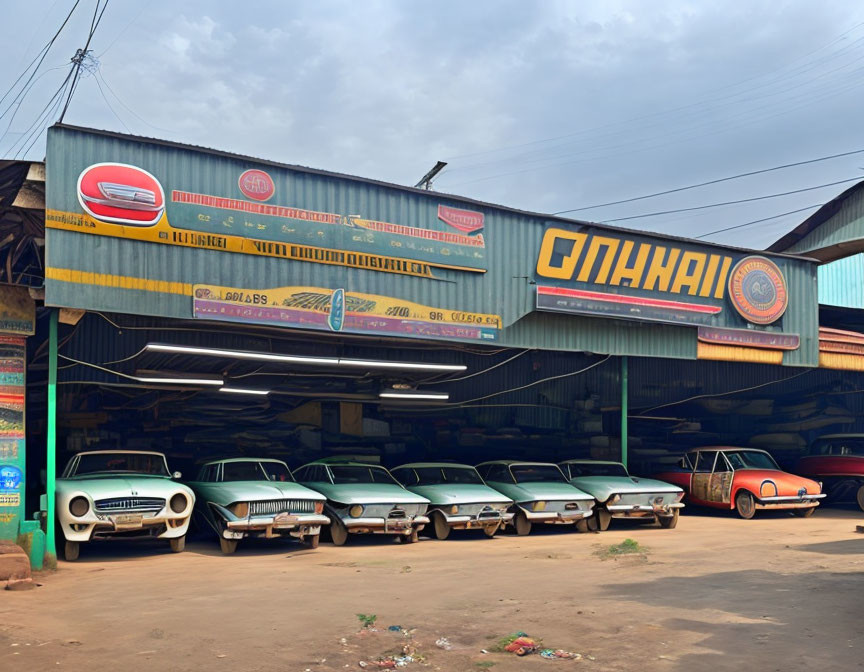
x,y
841,282
847,224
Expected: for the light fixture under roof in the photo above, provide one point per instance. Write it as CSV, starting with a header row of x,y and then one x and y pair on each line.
x,y
156,377
243,390
413,395
302,359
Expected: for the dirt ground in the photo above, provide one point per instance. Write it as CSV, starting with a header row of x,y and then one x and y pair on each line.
x,y
718,593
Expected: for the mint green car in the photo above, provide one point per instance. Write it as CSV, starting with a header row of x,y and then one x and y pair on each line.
x,y
459,499
540,494
620,495
364,498
245,497
104,494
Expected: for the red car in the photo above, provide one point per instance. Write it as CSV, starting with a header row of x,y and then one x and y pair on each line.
x,y
838,461
744,479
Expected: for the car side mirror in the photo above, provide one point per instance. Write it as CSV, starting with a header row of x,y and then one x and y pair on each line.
x,y
176,475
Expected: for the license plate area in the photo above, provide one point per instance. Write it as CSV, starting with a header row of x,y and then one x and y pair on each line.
x,y
285,519
128,521
396,525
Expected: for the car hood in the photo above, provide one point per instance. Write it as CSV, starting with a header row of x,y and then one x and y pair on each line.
x,y
251,491
102,487
603,487
459,493
529,492
367,493
787,484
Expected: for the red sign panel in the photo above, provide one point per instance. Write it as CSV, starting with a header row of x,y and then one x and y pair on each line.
x,y
257,185
752,339
466,221
121,194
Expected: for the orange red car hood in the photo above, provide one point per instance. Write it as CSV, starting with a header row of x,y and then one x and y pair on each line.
x,y
787,484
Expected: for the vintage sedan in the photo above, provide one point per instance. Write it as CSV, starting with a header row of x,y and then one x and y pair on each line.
x,y
620,495
106,494
540,492
460,500
743,479
256,497
837,460
364,498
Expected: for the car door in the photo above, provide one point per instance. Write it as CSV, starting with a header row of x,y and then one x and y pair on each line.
x,y
700,479
720,484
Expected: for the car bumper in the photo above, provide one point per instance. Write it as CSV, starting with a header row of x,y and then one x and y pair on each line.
x,y
477,522
641,510
793,502
160,527
558,517
385,525
299,524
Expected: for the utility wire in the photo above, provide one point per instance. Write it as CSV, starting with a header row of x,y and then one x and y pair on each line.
x,y
82,54
27,134
742,200
110,107
101,75
759,221
710,182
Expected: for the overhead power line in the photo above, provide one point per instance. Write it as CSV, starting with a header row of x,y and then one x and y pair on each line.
x,y
742,200
710,182
81,54
759,221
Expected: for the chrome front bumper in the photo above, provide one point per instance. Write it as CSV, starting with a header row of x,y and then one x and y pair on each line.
x,y
288,522
789,502
558,517
623,509
385,525
473,522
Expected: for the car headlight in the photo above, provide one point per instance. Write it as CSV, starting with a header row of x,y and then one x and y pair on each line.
x,y
538,506
355,511
79,506
178,503
239,509
679,496
319,507
454,510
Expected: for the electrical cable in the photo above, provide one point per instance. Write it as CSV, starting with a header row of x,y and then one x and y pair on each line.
x,y
117,36
105,98
743,200
94,24
759,221
477,373
46,112
101,75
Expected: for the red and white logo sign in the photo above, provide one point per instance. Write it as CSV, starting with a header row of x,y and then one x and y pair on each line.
x,y
121,194
467,221
257,185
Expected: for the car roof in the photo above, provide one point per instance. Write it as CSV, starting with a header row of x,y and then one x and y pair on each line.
x,y
225,460
510,463
118,450
415,465
332,462
577,461
839,436
719,449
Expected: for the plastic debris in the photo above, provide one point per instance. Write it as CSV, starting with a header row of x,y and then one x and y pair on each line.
x,y
395,628
444,643
560,654
522,646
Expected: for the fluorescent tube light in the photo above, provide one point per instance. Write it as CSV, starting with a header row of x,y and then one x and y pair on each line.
x,y
411,396
179,381
300,359
243,390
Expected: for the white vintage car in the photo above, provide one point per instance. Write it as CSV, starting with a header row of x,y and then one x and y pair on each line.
x,y
107,494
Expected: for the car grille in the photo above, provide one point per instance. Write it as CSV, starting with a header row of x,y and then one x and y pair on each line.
x,y
270,507
130,505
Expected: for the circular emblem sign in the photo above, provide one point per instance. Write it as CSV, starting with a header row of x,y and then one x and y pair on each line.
x,y
121,194
257,185
758,290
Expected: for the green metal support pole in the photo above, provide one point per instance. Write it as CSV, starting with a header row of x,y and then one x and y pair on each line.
x,y
624,410
51,438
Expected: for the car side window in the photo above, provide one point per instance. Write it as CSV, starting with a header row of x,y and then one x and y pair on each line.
x,y
705,462
301,474
405,476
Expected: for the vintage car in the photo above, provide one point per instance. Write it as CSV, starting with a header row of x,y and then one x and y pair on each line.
x,y
540,492
837,460
121,493
364,498
256,497
459,497
744,479
620,495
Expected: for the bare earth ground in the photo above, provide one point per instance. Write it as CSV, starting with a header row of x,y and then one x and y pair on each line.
x,y
718,593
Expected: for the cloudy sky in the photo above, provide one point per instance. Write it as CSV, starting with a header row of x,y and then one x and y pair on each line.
x,y
547,105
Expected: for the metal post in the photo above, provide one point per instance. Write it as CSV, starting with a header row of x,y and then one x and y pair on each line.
x,y
624,410
51,437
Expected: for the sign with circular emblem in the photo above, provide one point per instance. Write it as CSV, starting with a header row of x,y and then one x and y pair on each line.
x,y
757,289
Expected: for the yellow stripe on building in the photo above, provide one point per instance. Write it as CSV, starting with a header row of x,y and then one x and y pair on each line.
x,y
118,281
734,353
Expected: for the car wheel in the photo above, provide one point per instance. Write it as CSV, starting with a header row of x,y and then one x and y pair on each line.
x,y
338,532
312,540
228,546
522,524
591,522
491,530
603,519
178,544
669,522
804,513
745,505
860,497
442,529
582,525
71,549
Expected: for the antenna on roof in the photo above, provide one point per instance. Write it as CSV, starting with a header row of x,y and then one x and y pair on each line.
x,y
426,181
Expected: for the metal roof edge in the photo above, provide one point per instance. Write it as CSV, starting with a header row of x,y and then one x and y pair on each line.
x,y
414,190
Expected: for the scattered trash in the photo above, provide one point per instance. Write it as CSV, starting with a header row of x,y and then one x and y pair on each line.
x,y
522,645
444,643
395,628
406,569
560,654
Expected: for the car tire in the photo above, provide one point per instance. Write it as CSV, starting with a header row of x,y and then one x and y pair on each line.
x,y
491,530
178,544
669,522
338,532
312,540
604,518
860,497
804,513
582,525
228,546
591,522
522,524
745,505
71,550
442,529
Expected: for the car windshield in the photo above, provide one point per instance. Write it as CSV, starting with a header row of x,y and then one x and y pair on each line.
x,y
345,474
749,459
439,475
596,469
121,463
277,471
536,473
252,470
841,446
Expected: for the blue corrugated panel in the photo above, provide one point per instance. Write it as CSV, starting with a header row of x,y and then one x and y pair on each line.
x,y
841,283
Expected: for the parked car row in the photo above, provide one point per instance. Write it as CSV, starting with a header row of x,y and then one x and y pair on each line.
x,y
110,494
